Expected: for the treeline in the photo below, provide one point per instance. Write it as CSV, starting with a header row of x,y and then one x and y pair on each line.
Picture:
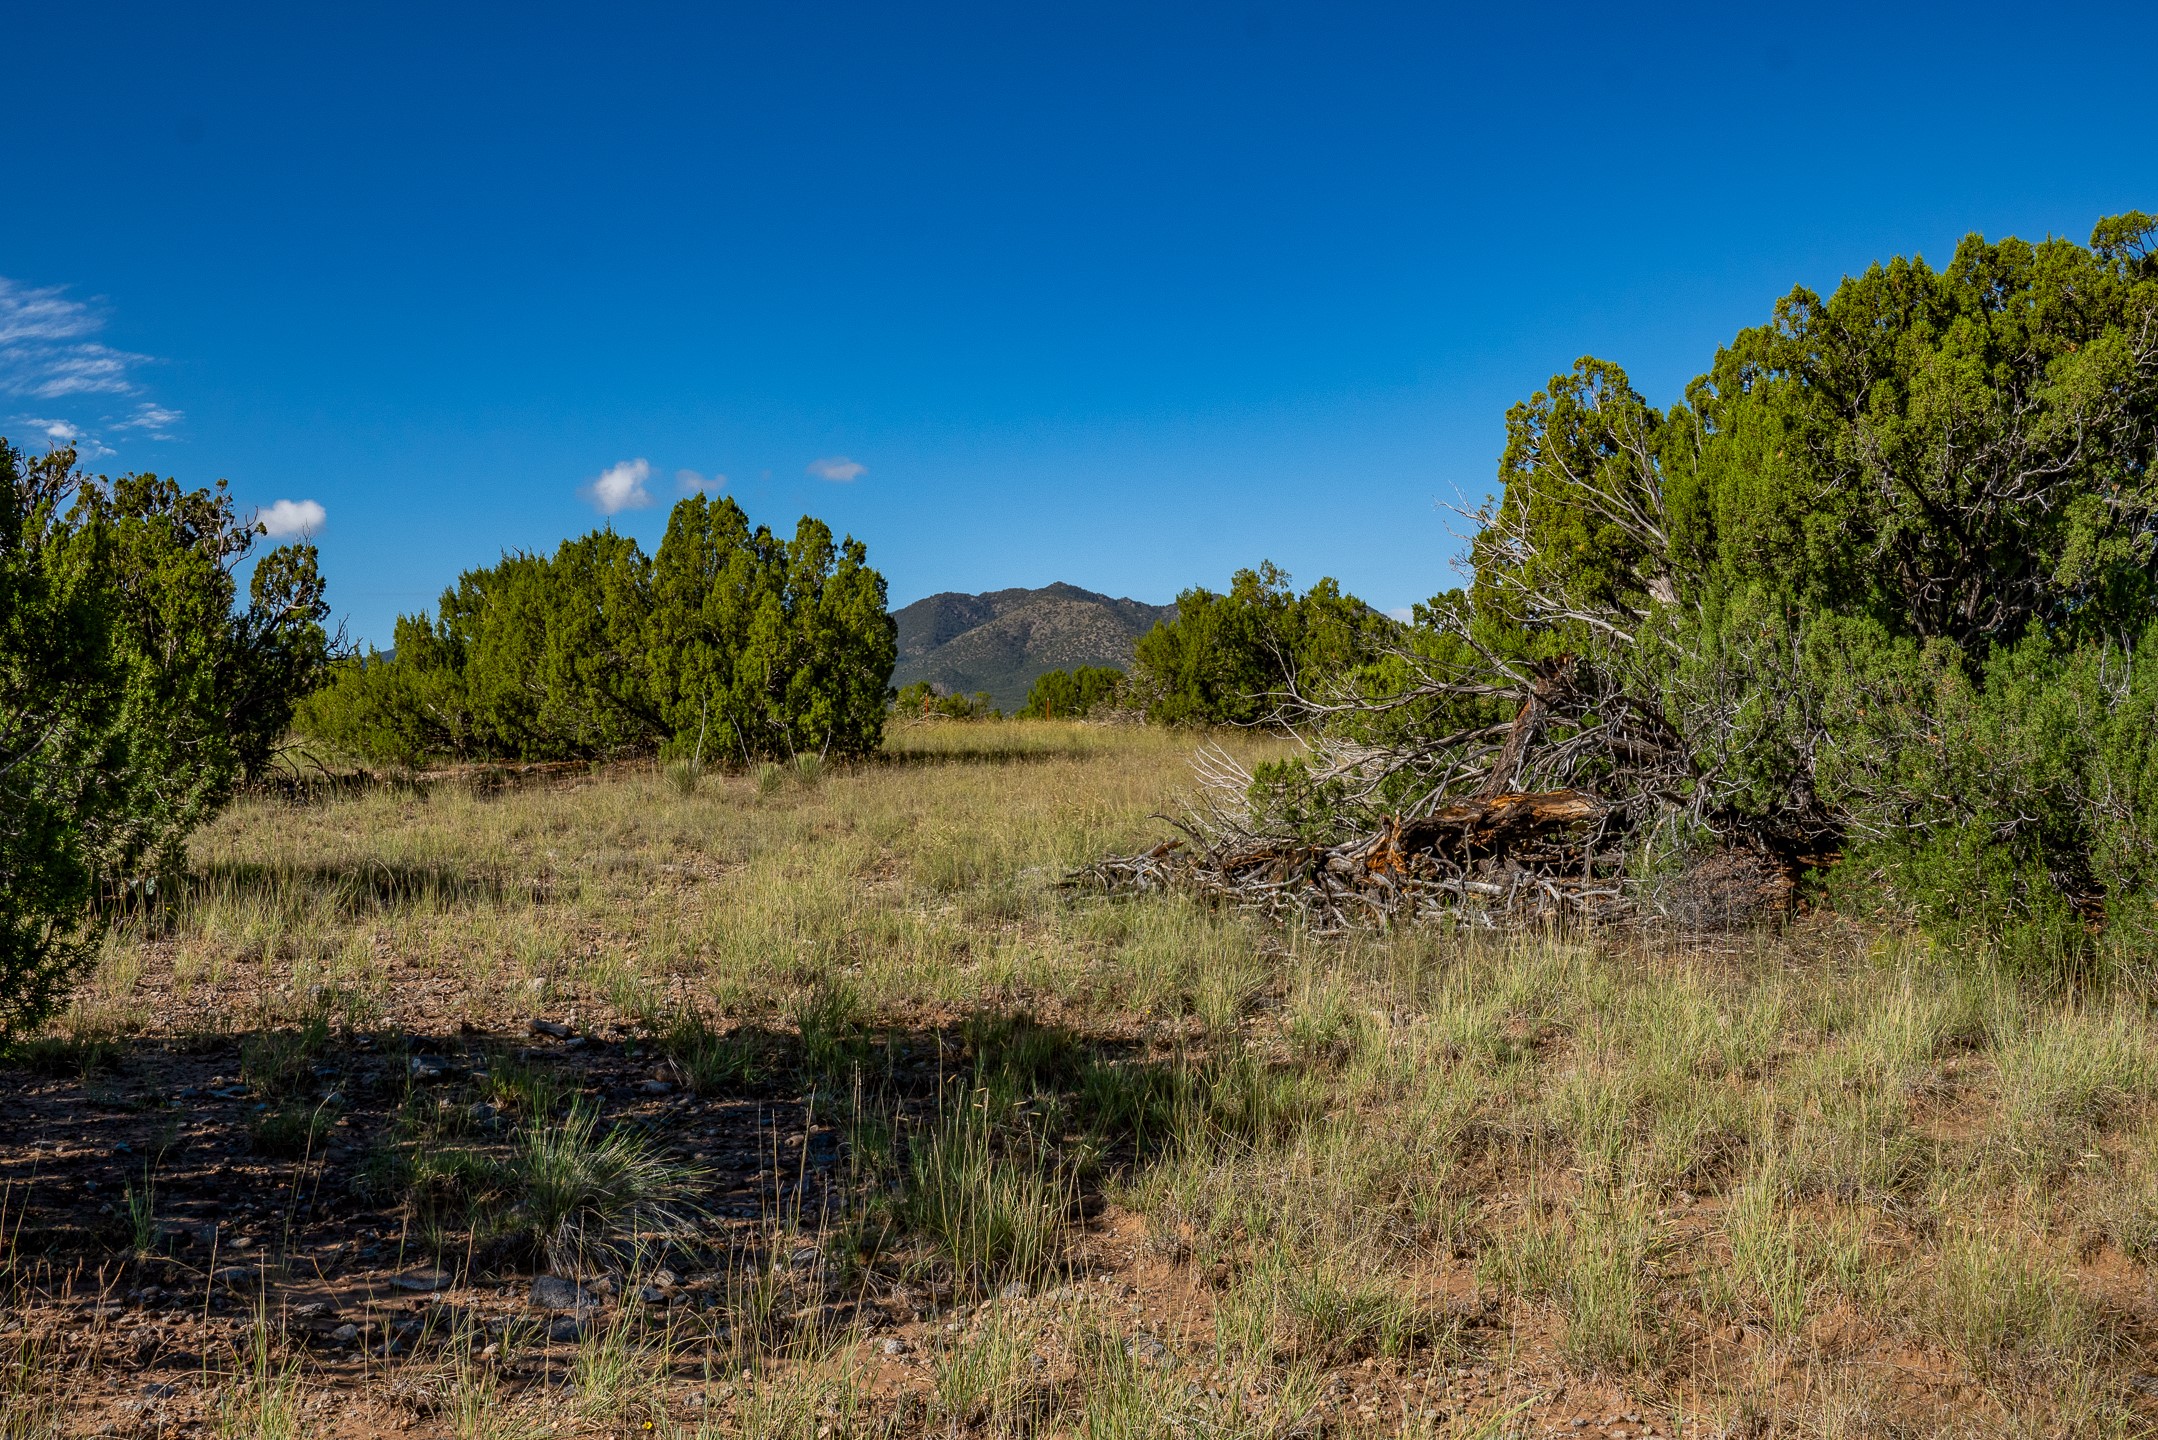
x,y
136,691
730,643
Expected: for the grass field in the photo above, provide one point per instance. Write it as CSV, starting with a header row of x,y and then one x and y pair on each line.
x,y
845,1119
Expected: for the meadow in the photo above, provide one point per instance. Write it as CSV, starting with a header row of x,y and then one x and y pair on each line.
x,y
810,1102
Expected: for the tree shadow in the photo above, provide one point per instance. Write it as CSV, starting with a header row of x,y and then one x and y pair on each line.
x,y
373,887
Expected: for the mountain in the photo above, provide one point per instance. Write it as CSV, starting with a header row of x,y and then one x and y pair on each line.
x,y
999,642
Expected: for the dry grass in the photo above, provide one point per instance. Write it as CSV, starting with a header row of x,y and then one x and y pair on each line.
x,y
1181,1174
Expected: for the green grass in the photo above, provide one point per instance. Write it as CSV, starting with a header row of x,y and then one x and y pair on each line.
x,y
992,1206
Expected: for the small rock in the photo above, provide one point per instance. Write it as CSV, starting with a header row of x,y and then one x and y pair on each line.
x,y
160,1392
1147,1349
666,1278
895,1346
345,1334
654,1087
312,1310
552,1292
651,1294
427,1068
421,1282
483,1112
567,1328
1016,1290
553,1029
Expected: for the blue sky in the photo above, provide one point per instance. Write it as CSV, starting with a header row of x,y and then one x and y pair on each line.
x,y
1125,296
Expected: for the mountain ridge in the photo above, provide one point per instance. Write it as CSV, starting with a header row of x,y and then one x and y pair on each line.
x,y
999,641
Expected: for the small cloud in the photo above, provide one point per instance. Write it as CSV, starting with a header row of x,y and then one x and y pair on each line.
x,y
692,482
1406,614
837,467
292,517
620,487
154,421
66,434
45,349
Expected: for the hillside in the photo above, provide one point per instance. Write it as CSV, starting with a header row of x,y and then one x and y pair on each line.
x,y
999,642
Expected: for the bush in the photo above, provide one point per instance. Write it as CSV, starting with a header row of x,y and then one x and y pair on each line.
x,y
730,642
135,694
923,700
1072,694
1232,659
1882,590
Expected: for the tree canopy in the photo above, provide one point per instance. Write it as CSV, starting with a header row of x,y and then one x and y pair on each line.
x,y
1234,658
730,642
135,691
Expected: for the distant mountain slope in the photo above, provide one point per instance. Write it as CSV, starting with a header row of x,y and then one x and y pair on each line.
x,y
999,642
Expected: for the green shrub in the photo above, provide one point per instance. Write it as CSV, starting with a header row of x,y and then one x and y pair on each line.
x,y
1072,694
136,692
730,641
1229,659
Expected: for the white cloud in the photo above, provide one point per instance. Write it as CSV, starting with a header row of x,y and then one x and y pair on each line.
x,y
620,487
67,434
691,482
153,420
837,467
28,314
1404,613
292,517
45,349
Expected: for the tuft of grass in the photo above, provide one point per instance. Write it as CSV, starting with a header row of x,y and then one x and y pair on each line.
x,y
525,1089
140,1206
291,1131
1769,1259
34,1399
77,1055
988,1383
801,1402
584,1192
2064,1077
617,1372
828,1017
993,1212
1331,1311
684,776
261,1398
809,770
1591,1260
277,1063
710,1063
768,776
2003,1307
